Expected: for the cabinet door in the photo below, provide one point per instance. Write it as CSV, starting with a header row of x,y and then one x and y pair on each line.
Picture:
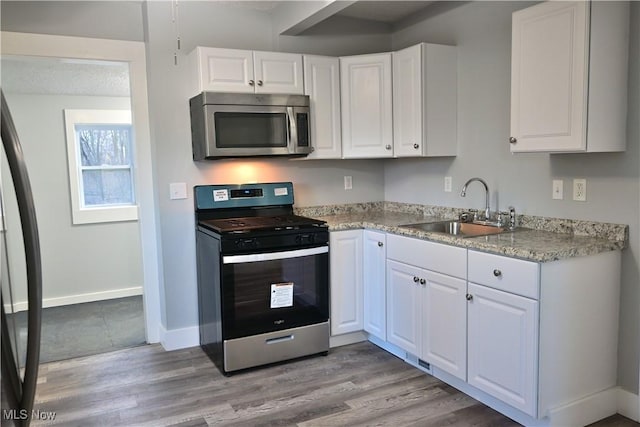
x,y
374,266
224,70
366,106
444,335
278,72
322,84
503,346
345,254
403,306
549,76
407,102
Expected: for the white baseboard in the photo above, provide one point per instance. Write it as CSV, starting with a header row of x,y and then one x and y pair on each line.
x,y
346,339
629,404
77,299
587,410
175,339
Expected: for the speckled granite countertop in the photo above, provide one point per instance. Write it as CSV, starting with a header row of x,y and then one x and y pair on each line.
x,y
537,239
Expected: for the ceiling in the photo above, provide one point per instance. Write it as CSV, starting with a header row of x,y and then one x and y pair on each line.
x,y
55,76
384,11
389,12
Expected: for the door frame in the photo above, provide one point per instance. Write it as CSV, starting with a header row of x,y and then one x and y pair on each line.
x,y
132,52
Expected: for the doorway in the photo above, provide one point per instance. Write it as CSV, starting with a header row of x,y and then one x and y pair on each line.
x,y
105,270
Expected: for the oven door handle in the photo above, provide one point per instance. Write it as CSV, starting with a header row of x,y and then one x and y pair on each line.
x,y
270,256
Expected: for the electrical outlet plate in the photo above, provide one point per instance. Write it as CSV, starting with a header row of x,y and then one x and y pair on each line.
x,y
580,190
447,184
348,182
557,189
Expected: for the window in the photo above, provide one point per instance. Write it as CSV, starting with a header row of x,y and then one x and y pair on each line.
x,y
100,156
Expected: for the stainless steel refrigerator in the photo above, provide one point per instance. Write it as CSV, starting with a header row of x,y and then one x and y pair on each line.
x,y
19,365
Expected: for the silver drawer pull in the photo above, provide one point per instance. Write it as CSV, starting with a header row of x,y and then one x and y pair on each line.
x,y
380,244
279,339
416,279
497,273
469,297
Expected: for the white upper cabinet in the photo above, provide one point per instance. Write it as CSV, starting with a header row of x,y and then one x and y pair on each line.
x,y
277,72
425,101
569,77
322,84
245,71
367,129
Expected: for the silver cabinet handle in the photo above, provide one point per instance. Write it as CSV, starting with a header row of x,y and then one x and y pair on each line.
x,y
469,297
388,147
380,244
513,140
416,279
416,146
259,82
422,282
497,273
251,82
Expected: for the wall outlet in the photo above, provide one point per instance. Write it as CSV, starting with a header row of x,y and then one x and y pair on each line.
x,y
348,182
580,190
447,184
557,189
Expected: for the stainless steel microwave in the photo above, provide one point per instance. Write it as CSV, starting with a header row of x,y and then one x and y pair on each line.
x,y
246,125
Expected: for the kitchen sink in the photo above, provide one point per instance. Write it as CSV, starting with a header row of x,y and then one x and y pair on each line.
x,y
456,228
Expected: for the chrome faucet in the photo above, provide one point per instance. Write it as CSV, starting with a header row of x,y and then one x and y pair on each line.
x,y
463,193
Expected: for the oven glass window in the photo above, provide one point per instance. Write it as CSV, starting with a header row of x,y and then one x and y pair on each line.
x,y
267,296
250,130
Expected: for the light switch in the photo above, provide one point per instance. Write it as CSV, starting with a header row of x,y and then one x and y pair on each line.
x,y
177,190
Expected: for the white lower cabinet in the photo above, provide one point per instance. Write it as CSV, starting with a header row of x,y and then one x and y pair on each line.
x,y
426,310
503,346
539,337
502,332
444,336
345,258
374,289
404,319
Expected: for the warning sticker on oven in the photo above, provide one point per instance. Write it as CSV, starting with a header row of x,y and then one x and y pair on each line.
x,y
282,295
220,195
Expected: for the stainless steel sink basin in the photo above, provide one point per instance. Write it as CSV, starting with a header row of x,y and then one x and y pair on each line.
x,y
456,228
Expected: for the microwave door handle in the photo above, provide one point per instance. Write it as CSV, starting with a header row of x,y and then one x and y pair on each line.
x,y
292,129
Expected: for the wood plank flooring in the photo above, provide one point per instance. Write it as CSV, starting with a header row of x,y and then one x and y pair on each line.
x,y
356,385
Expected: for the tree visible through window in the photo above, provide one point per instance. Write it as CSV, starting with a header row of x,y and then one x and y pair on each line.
x,y
100,149
105,158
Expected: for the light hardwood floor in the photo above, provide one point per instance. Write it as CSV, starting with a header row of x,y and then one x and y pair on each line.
x,y
356,385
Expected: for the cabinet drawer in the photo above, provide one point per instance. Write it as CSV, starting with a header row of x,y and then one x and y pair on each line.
x,y
436,257
507,274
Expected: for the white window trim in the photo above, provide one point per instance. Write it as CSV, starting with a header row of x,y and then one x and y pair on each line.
x,y
97,214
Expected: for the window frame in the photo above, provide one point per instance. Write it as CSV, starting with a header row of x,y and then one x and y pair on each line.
x,y
101,213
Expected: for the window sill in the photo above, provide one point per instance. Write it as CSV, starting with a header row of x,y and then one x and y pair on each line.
x,y
105,214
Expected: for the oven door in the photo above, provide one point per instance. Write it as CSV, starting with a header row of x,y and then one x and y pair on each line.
x,y
272,291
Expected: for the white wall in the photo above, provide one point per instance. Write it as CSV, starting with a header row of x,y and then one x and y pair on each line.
x,y
482,33
79,262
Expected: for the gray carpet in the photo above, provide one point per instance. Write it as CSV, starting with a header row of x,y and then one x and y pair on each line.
x,y
85,329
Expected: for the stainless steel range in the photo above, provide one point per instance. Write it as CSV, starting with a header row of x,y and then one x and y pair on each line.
x,y
263,276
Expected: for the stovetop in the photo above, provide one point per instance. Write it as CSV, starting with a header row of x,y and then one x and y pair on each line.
x,y
261,223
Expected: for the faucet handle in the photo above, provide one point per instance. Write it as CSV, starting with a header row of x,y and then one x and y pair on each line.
x,y
512,218
474,212
502,218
